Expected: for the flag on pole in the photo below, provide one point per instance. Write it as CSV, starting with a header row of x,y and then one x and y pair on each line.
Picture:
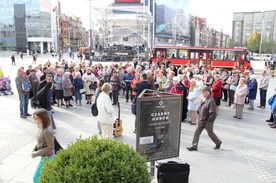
x,y
55,9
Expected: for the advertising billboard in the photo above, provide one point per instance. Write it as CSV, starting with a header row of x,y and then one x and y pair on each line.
x,y
127,1
158,126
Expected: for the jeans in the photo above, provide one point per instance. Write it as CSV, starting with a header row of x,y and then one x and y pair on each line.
x,y
39,166
23,105
263,97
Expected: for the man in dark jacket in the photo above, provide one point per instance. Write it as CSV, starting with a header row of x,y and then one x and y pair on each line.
x,y
144,84
207,116
45,98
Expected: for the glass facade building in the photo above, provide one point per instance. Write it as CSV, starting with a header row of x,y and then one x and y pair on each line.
x,y
172,22
25,25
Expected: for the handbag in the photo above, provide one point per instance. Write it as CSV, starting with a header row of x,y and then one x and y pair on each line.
x,y
82,91
94,109
93,86
226,87
133,108
57,145
233,87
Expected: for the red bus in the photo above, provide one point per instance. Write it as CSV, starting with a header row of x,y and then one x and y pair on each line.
x,y
237,58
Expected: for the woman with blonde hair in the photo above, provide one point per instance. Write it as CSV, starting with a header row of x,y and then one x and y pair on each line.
x,y
194,99
105,111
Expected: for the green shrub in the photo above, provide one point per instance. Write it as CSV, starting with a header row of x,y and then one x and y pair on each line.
x,y
97,161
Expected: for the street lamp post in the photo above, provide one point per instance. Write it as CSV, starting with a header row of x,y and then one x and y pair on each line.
x,y
90,34
58,31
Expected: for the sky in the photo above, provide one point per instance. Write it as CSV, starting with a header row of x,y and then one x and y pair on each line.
x,y
219,13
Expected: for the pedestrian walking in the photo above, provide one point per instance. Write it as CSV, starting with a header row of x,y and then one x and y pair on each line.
x,y
207,116
34,59
45,141
13,60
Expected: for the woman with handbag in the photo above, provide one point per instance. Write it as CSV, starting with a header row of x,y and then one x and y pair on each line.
x,y
240,95
45,140
88,79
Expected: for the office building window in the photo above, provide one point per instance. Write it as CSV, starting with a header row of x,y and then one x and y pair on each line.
x,y
269,20
268,27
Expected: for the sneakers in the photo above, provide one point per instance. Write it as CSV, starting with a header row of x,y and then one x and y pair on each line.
x,y
27,114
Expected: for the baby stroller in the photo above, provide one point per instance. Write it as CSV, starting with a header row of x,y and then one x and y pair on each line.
x,y
5,86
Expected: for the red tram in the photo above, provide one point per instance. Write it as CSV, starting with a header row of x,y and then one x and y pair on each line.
x,y
229,58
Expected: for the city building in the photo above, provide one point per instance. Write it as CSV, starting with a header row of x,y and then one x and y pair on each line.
x,y
25,25
131,22
203,35
245,23
172,22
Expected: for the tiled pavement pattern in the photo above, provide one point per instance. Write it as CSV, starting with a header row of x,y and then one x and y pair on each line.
x,y
247,154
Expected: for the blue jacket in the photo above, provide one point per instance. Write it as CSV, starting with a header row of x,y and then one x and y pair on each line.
x,y
252,89
78,83
272,102
128,77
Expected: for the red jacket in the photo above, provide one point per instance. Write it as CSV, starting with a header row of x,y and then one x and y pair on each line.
x,y
216,89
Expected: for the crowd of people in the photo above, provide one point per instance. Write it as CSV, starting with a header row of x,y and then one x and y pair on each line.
x,y
72,80
203,91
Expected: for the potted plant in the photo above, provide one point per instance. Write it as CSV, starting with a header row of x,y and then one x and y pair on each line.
x,y
98,161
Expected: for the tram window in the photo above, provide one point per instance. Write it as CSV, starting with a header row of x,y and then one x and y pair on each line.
x,y
171,53
218,55
229,55
183,54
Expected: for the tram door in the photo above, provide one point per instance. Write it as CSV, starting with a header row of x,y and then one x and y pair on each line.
x,y
239,62
160,55
194,58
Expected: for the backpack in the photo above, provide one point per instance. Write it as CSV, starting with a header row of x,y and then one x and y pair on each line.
x,y
94,109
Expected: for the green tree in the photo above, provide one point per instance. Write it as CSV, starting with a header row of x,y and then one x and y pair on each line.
x,y
231,43
253,42
268,46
